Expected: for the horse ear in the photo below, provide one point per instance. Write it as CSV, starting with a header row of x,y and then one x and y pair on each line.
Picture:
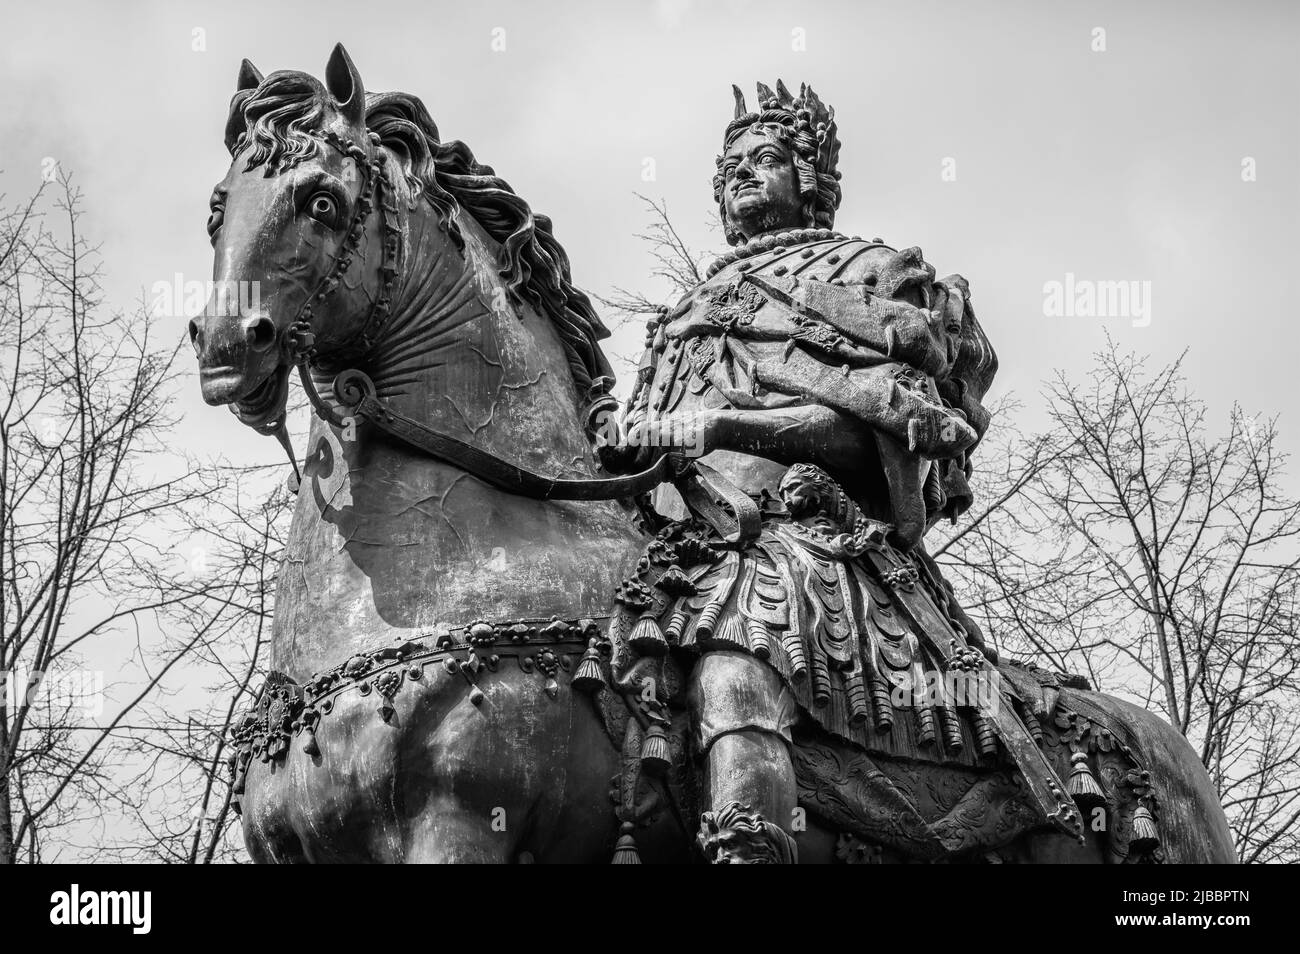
x,y
344,83
250,77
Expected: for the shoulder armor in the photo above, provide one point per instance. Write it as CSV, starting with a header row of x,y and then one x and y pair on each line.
x,y
849,261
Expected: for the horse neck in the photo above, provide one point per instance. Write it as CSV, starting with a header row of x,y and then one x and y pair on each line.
x,y
457,354
388,542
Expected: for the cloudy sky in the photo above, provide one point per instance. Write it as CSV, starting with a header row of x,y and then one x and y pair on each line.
x,y
997,136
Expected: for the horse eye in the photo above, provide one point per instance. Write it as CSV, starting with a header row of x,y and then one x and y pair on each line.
x,y
214,221
324,208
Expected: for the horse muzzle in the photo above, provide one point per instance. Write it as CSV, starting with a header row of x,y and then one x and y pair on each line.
x,y
237,355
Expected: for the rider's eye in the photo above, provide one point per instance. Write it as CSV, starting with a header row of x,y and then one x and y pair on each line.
x,y
214,220
324,208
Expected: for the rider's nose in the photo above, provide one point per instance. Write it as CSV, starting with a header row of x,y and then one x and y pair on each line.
x,y
259,331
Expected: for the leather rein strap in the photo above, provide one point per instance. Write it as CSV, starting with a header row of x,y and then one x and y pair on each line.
x,y
710,496
356,393
715,499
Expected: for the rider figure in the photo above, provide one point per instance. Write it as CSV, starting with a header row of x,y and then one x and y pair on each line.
x,y
805,347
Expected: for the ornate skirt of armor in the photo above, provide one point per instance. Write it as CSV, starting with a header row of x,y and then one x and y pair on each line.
x,y
863,635
837,629
885,669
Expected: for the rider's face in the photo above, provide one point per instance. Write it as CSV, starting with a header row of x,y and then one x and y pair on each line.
x,y
760,190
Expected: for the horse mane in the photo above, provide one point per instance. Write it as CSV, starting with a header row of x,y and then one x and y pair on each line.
x,y
275,121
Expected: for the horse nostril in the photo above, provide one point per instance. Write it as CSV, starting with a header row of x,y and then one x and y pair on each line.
x,y
260,333
194,335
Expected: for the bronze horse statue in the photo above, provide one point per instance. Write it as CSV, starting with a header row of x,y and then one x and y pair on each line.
x,y
441,688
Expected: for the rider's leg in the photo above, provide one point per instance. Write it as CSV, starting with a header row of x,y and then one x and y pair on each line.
x,y
743,713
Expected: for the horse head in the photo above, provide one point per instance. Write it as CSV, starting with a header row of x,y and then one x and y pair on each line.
x,y
292,222
320,224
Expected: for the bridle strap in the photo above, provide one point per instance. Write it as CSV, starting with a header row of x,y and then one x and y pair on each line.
x,y
299,336
710,496
356,393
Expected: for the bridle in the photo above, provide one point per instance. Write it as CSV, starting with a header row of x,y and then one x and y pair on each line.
x,y
355,391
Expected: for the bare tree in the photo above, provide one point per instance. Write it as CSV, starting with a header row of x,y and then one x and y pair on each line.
x,y
675,264
1131,544
181,756
92,502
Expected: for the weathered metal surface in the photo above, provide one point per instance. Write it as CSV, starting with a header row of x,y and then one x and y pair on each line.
x,y
739,657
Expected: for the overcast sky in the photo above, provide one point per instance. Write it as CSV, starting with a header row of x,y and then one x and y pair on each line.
x,y
1122,165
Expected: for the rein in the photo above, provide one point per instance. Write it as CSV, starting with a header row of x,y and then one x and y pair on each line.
x,y
356,392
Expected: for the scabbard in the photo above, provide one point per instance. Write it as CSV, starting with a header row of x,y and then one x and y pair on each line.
x,y
1044,786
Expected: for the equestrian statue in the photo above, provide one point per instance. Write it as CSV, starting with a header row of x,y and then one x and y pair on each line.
x,y
517,623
